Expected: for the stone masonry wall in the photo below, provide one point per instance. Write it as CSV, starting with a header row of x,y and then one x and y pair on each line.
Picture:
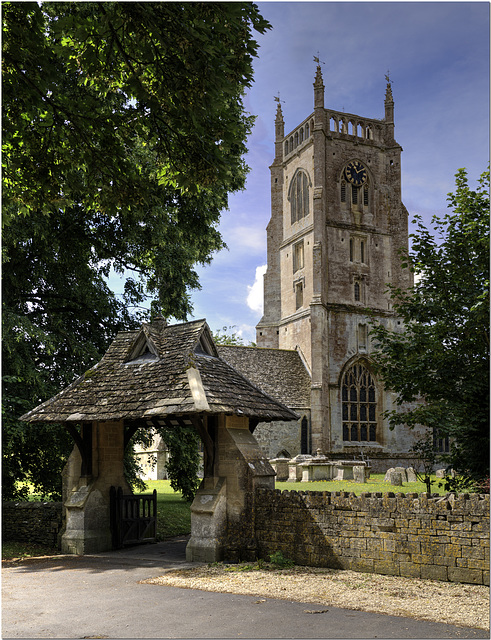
x,y
408,535
36,522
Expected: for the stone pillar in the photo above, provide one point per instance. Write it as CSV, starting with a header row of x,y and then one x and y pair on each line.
x,y
87,500
222,513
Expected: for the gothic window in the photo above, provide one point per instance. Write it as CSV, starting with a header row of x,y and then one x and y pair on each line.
x,y
343,191
298,256
299,197
365,195
362,251
296,139
301,135
286,147
307,131
351,252
359,405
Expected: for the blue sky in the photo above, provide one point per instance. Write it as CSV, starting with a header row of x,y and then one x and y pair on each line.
x,y
437,54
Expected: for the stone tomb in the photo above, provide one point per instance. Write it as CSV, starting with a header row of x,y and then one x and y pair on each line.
x,y
172,376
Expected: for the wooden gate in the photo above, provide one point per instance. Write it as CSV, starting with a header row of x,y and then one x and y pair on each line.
x,y
133,518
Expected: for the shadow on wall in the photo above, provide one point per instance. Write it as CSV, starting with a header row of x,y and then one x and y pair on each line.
x,y
409,535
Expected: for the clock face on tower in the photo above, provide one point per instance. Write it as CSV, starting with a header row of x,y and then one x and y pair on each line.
x,y
355,173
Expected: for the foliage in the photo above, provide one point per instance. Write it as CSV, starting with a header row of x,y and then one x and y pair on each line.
x,y
34,453
425,451
123,134
279,560
131,467
182,465
460,484
227,336
184,459
439,363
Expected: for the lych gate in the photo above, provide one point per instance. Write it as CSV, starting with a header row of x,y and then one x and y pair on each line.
x,y
163,375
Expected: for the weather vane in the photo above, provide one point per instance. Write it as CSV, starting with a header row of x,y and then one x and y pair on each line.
x,y
277,99
387,78
317,59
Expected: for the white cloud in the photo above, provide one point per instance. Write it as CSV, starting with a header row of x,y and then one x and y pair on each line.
x,y
255,295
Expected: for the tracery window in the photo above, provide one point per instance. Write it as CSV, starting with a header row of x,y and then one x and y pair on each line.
x,y
359,405
299,197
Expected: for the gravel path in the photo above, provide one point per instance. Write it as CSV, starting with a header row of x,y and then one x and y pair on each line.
x,y
451,603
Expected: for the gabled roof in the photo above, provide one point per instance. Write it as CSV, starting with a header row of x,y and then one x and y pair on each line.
x,y
280,373
158,371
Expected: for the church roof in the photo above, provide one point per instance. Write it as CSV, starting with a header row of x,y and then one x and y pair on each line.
x,y
158,371
280,373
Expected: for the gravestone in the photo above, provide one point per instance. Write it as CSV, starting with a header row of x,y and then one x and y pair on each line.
x,y
359,474
411,475
396,479
280,465
388,474
402,471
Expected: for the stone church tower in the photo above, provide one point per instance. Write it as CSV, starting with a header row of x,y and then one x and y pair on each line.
x,y
337,223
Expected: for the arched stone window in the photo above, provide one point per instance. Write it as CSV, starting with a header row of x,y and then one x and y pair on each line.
x,y
359,404
307,131
301,135
296,138
286,148
299,196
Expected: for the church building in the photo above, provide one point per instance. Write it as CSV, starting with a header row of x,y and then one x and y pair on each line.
x,y
337,225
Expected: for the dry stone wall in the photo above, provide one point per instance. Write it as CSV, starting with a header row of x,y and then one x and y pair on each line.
x,y
36,522
410,535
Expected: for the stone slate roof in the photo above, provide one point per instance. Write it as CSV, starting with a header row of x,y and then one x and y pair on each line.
x,y
158,371
278,372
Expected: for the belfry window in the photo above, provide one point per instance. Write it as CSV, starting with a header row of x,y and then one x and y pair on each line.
x,y
354,194
359,405
299,197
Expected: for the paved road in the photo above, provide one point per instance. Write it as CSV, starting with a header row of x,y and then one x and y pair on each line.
x,y
100,597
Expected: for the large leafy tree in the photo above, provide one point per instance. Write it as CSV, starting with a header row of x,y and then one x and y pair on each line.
x,y
123,133
439,363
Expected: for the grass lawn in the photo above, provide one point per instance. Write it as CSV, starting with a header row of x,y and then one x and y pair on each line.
x,y
173,514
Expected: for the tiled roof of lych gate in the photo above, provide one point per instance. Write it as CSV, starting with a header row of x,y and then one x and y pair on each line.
x,y
278,372
158,371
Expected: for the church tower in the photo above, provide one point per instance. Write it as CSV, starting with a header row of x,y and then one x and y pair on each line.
x,y
337,224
